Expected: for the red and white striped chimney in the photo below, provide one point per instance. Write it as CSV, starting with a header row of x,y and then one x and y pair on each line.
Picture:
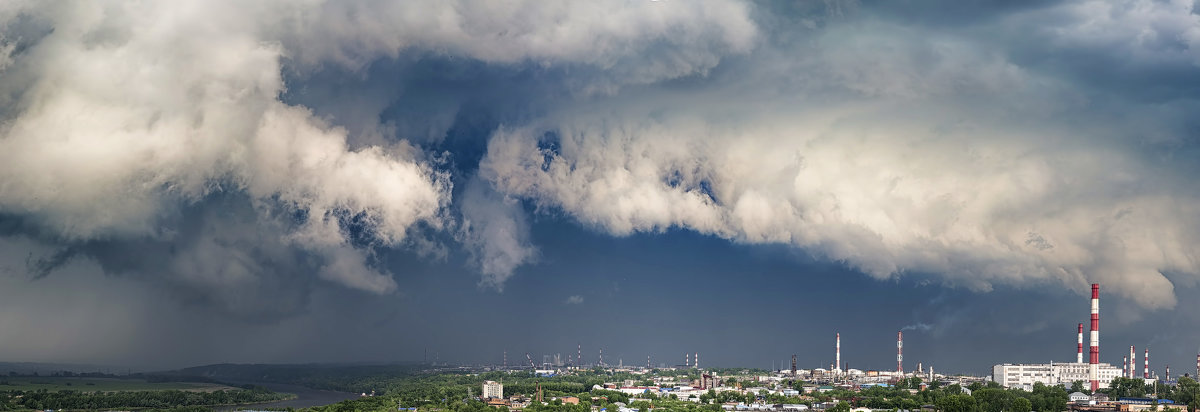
x,y
1146,371
1124,364
1079,345
1094,353
1130,371
900,352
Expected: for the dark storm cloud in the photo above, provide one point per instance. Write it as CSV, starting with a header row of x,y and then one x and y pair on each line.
x,y
243,158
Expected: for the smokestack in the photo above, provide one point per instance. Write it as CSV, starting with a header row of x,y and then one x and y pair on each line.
x,y
1129,373
1167,377
1198,365
697,359
1124,364
687,360
900,352
793,364
579,355
837,361
1094,353
1079,345
1146,370
600,361
506,359
920,368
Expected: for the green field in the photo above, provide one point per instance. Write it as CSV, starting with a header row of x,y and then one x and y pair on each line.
x,y
100,384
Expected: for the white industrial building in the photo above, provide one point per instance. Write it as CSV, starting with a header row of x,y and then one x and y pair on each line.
x,y
493,389
1025,375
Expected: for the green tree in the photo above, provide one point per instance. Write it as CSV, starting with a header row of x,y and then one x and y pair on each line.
x,y
1077,386
956,403
1021,405
841,406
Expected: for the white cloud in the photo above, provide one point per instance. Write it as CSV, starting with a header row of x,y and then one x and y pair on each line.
x,y
495,232
893,149
957,164
574,300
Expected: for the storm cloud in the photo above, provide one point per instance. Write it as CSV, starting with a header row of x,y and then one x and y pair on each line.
x,y
241,156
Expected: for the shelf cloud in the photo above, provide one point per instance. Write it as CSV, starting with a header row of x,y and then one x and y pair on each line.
x,y
229,150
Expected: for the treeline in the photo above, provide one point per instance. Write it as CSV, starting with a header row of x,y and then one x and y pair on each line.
x,y
43,400
343,378
1184,392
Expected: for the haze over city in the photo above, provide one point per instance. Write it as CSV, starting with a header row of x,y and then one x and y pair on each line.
x,y
189,183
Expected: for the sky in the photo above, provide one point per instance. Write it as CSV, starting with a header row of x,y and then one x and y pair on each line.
x,y
184,183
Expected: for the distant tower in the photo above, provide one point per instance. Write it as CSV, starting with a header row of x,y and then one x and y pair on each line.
x,y
579,355
1094,353
1129,373
506,359
600,361
793,365
1167,377
920,368
837,357
1198,365
647,361
1079,345
687,360
697,359
1125,365
900,352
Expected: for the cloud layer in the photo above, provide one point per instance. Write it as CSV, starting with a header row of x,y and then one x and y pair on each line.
x,y
973,153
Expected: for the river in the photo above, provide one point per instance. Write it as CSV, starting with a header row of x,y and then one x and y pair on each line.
x,y
305,398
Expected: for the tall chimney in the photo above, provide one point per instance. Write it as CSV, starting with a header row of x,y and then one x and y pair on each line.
x,y
1079,345
1094,353
837,361
687,360
1146,370
1167,377
579,355
1129,373
1124,364
900,352
793,365
697,359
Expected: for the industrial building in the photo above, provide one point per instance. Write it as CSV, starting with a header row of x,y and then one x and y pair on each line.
x,y
1023,376
1097,375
